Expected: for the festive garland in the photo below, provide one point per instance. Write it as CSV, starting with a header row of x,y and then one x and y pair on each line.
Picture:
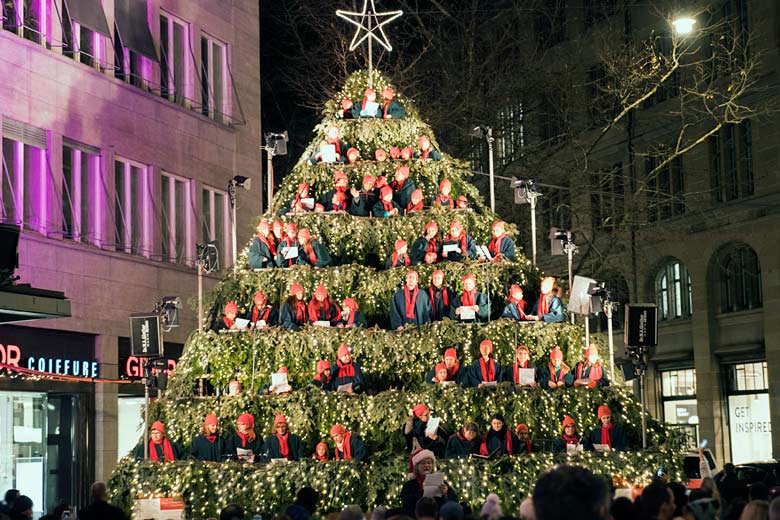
x,y
267,489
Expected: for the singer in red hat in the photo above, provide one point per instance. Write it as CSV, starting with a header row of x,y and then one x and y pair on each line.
x,y
323,308
425,249
244,444
609,435
363,200
457,244
557,374
262,252
282,444
399,257
470,299
569,437
208,445
589,372
454,372
485,369
348,445
293,315
410,305
422,463
161,449
346,371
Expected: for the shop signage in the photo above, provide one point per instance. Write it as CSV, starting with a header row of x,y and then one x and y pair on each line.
x,y
51,351
750,427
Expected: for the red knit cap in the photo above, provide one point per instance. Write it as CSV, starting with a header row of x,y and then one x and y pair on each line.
x,y
231,308
456,225
422,139
304,234
322,366
556,353
439,367
395,152
487,343
303,186
567,421
321,292
246,418
451,352
403,171
159,426
351,303
343,350
368,178
515,291
407,152
352,152
412,271
498,223
521,428
259,297
210,419
430,225
604,411
419,409
338,429
522,347
467,277
462,199
282,370
399,244
339,175
346,104
380,182
291,226
263,227
445,183
279,419
369,92
295,288
321,445
385,191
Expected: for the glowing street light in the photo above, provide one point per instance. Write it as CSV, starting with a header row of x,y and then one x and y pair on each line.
x,y
684,25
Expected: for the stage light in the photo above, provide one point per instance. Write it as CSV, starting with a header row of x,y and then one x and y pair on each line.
x,y
241,182
684,25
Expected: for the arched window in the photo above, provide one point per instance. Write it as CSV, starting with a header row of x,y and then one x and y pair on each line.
x,y
673,291
739,278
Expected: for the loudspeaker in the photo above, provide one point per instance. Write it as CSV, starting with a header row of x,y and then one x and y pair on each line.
x,y
581,301
145,335
641,325
627,369
9,251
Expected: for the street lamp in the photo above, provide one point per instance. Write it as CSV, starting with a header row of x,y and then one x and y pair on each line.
x,y
486,132
239,181
684,25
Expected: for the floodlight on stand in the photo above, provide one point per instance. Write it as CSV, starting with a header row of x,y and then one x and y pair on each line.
x,y
480,132
208,256
276,144
525,193
168,309
241,182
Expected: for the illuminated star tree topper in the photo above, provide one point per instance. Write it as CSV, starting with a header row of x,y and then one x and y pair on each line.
x,y
367,23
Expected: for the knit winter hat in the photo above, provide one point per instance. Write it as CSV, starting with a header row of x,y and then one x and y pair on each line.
x,y
417,195
380,155
522,347
291,226
388,93
246,418
385,191
159,426
521,428
604,411
487,343
451,352
395,152
468,276
259,297
556,353
321,291
399,244
346,104
349,303
339,175
338,429
381,181
515,291
456,225
419,409
567,420
295,288
368,178
263,227
369,92
432,225
343,350
322,366
406,153
210,419
282,370
231,308
353,152
462,199
279,419
304,234
438,367
498,223
412,271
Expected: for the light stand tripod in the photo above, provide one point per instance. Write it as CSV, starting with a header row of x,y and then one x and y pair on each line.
x,y
639,357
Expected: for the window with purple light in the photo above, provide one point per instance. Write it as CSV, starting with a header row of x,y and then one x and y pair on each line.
x,y
82,193
132,206
27,18
215,96
176,217
214,219
175,67
24,177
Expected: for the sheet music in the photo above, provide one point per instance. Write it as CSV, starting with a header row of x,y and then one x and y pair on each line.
x,y
467,313
602,447
328,153
431,484
308,203
433,425
260,324
584,381
283,460
290,253
484,253
370,110
244,454
527,375
321,323
450,248
572,449
344,388
241,323
489,383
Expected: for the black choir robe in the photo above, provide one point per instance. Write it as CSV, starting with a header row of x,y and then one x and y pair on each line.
x,y
418,432
357,450
362,205
272,449
509,372
286,242
260,255
461,376
617,437
323,257
288,318
586,373
178,451
358,382
233,442
271,318
439,311
403,195
480,299
496,441
420,249
359,320
507,249
545,377
475,373
422,309
204,449
379,209
458,447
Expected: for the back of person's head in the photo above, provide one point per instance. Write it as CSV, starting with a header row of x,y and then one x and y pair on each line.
x,y
680,497
451,511
704,508
307,498
491,510
622,509
774,509
10,496
729,468
426,507
232,512
379,513
755,510
22,504
98,491
758,491
527,509
570,493
351,513
396,513
657,501
734,510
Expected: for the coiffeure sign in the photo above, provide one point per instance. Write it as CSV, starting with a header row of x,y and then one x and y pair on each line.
x,y
49,351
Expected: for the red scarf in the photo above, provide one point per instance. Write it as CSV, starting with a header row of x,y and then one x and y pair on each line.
x,y
414,207
211,438
244,438
410,300
488,369
404,259
321,457
543,306
264,316
432,246
387,107
167,450
387,205
316,309
397,185
606,434
228,322
451,374
340,207
347,370
495,245
300,311
444,296
563,371
595,372
270,245
520,305
444,200
345,444
287,243
284,448
467,298
462,242
336,143
507,441
309,249
516,372
574,439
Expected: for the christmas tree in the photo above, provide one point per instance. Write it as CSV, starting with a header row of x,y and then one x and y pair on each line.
x,y
394,362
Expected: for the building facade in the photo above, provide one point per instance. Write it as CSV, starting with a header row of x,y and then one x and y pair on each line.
x,y
702,243
123,122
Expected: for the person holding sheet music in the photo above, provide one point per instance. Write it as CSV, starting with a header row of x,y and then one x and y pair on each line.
x,y
425,150
351,315
569,439
293,314
323,309
346,109
399,257
322,377
485,371
501,247
499,439
440,295
353,155
262,314
289,248
243,444
368,107
230,320
415,202
524,439
410,305
457,245
346,375
516,305
363,201
386,206
453,371
340,185
589,372
522,372
422,464
548,308
443,199
262,252
391,109
348,445
282,444
334,139
426,248
470,306
464,443
417,429
279,384
557,374
608,435
402,186
300,203
311,251
208,445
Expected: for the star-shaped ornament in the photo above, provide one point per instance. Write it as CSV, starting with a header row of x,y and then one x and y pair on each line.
x,y
367,22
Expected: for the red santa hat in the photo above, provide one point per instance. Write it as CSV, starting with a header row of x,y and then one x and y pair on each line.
x,y
343,350
417,457
246,418
304,234
295,288
399,244
339,175
260,298
521,428
486,343
210,419
231,308
279,419
402,171
468,277
159,426
445,183
338,429
321,291
395,152
420,409
380,155
451,352
556,354
604,411
346,104
430,225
